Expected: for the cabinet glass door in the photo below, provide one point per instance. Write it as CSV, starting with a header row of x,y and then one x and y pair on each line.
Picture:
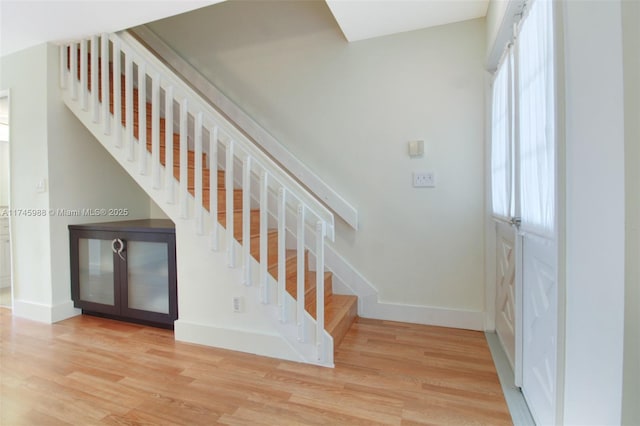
x,y
96,271
148,276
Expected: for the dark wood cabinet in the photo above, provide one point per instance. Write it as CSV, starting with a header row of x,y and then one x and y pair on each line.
x,y
125,270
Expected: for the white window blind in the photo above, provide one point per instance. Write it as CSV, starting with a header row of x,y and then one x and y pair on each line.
x,y
536,120
502,141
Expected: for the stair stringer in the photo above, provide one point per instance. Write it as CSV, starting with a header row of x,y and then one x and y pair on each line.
x,y
205,314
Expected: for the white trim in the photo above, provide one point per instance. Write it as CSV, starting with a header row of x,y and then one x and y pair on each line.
x,y
41,312
257,133
490,225
32,310
269,345
426,315
62,311
505,33
6,93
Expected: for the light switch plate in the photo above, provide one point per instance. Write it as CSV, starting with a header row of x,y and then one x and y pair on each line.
x,y
238,304
424,180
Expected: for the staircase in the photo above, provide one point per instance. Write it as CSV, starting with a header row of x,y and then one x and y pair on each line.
x,y
215,175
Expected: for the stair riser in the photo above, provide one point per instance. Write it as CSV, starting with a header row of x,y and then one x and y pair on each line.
x,y
340,330
310,295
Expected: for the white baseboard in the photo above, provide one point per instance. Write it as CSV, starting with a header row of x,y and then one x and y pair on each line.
x,y
65,310
427,315
272,346
42,312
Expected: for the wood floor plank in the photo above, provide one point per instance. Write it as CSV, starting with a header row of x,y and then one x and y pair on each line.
x,y
89,370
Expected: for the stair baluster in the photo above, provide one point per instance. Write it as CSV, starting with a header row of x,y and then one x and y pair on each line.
x,y
168,144
213,186
246,220
95,86
231,254
104,56
128,80
320,233
155,130
142,119
184,176
197,142
264,239
117,93
300,311
73,48
84,83
63,63
282,261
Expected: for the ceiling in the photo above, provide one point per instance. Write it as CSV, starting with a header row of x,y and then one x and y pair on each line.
x,y
363,19
26,23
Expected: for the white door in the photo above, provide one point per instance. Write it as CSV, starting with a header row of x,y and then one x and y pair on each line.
x,y
523,192
539,324
536,208
506,288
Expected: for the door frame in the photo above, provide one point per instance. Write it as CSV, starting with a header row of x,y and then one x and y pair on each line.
x,y
505,34
6,93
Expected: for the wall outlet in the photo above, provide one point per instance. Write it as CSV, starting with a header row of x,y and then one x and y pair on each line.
x,y
238,304
424,180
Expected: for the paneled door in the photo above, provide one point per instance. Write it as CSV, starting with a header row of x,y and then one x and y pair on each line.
x,y
506,288
539,327
523,171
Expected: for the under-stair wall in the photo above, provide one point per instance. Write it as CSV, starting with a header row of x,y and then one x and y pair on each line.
x,y
231,255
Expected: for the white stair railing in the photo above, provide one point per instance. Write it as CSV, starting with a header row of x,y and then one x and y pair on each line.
x,y
85,69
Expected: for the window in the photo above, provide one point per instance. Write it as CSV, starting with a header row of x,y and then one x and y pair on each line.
x,y
523,126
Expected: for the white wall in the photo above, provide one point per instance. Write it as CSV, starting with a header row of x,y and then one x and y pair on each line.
x,y
595,231
49,143
155,211
347,110
25,74
631,372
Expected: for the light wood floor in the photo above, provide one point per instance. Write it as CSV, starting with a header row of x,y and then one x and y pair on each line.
x,y
87,370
